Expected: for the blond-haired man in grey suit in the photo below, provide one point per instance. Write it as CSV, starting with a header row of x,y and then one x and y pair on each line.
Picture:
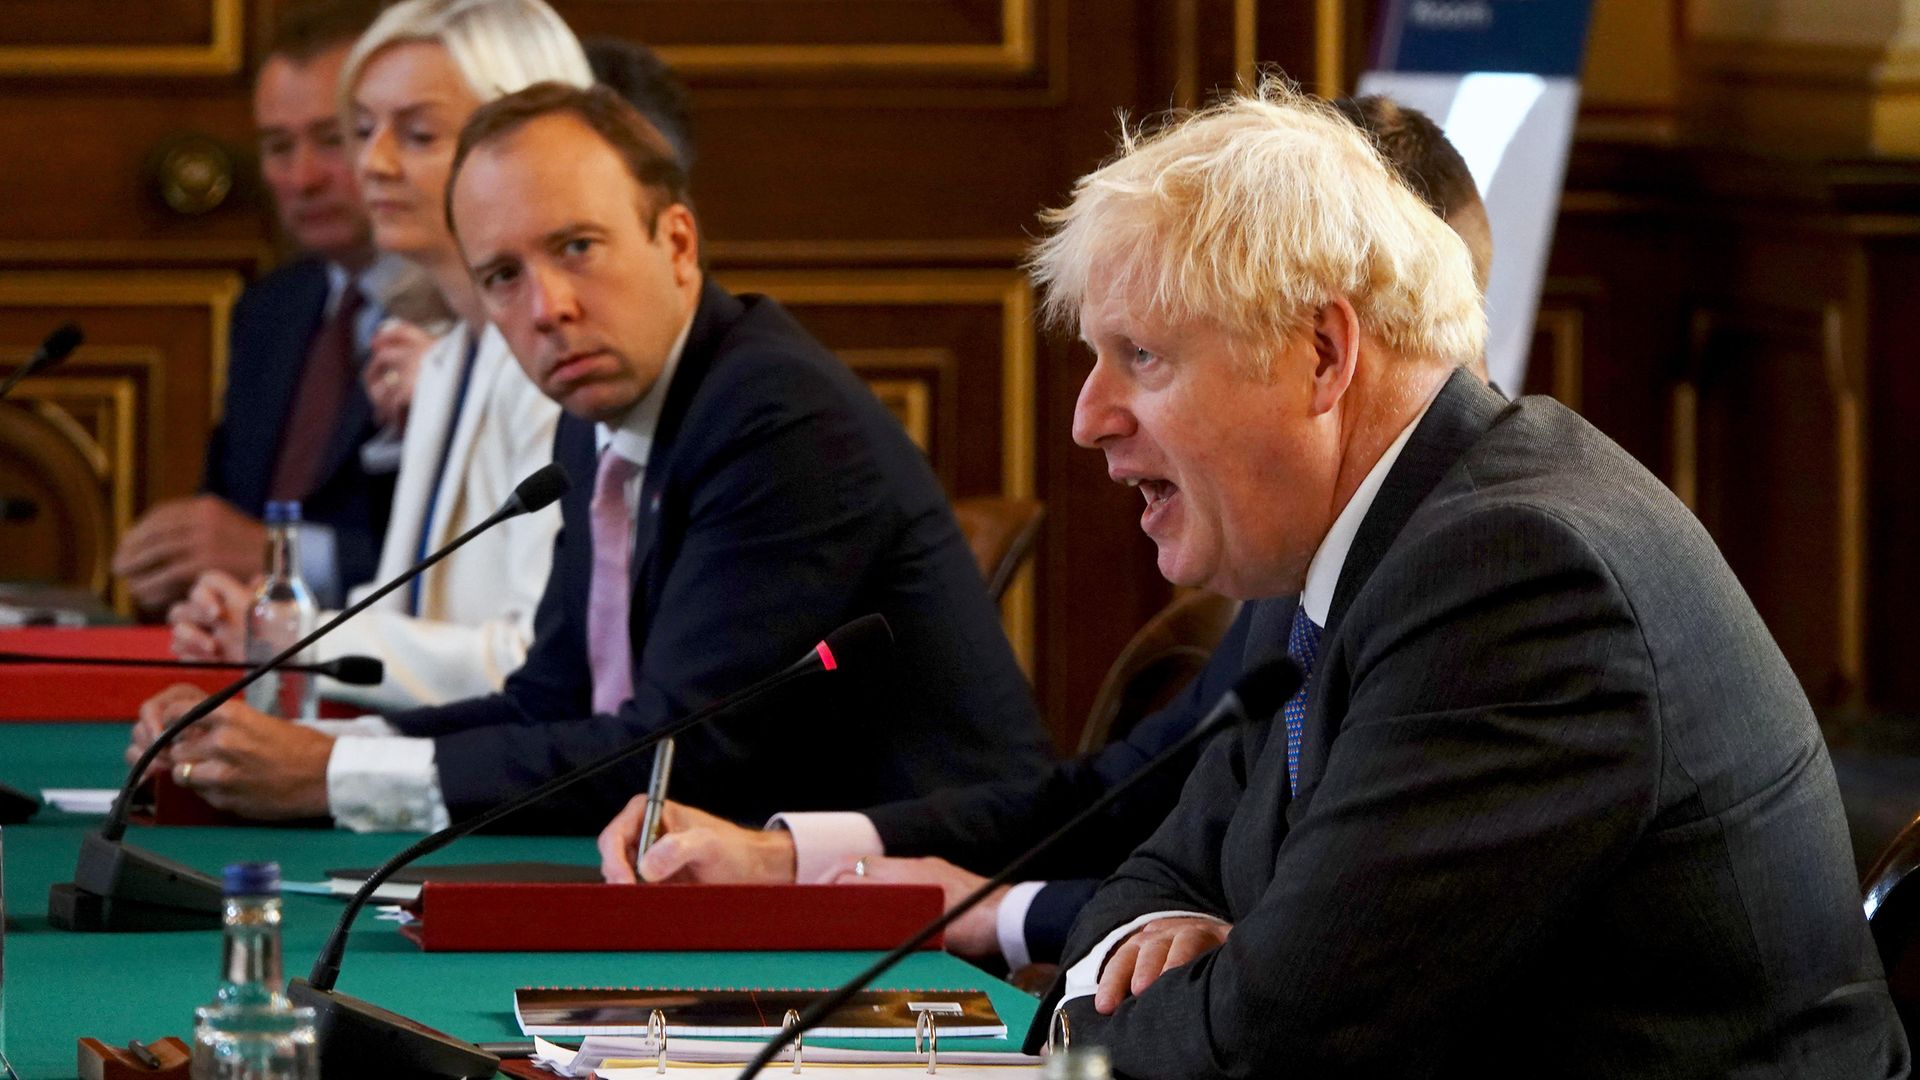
x,y
1551,802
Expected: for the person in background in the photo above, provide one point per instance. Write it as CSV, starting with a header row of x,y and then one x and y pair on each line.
x,y
956,836
637,74
749,496
465,625
294,417
475,427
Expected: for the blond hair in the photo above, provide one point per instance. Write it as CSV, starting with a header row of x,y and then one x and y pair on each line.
x,y
1250,216
499,46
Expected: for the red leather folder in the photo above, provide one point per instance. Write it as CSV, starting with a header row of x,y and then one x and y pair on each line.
x,y
525,917
62,692
32,692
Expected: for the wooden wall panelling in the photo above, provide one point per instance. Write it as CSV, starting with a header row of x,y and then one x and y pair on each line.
x,y
1777,483
151,369
95,37
1882,202
1892,395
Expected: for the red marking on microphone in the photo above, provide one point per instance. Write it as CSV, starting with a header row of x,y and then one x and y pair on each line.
x,y
826,656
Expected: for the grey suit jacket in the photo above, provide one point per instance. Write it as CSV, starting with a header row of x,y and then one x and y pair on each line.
x,y
1563,809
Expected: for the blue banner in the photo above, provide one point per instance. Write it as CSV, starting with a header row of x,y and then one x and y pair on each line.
x,y
1540,37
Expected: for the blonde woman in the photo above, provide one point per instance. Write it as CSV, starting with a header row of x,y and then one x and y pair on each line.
x,y
477,426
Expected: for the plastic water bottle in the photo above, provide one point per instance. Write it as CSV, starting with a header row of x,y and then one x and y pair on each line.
x,y
283,612
251,1031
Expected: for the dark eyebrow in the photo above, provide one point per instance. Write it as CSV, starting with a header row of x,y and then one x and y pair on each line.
x,y
486,266
570,230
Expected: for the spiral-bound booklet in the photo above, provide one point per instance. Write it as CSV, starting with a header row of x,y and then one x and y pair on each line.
x,y
877,1014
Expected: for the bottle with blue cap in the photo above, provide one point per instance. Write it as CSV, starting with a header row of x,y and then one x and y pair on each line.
x,y
283,612
251,1031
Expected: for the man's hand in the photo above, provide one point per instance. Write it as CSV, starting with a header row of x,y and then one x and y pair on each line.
x,y
393,365
155,714
239,759
693,846
168,549
211,623
1152,951
975,935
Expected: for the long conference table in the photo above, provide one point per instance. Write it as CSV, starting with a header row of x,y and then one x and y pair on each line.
x,y
59,986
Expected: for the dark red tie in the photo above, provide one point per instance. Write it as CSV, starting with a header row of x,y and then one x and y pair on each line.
x,y
325,383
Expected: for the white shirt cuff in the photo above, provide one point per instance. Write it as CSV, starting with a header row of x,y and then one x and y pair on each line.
x,y
1010,923
384,783
820,840
1083,978
359,725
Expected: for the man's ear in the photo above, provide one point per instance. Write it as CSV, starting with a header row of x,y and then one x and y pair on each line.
x,y
1335,335
682,234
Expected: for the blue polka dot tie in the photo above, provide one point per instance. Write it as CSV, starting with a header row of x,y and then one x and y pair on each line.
x,y
1303,647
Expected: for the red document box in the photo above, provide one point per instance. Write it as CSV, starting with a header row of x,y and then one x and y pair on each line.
x,y
504,917
65,692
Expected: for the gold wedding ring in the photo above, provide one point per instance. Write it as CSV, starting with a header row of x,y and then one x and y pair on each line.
x,y
183,774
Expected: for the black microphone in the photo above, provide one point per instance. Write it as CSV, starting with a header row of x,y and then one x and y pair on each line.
x,y
1258,695
359,1039
119,887
352,670
51,351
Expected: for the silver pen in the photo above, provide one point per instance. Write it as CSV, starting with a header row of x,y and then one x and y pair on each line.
x,y
656,797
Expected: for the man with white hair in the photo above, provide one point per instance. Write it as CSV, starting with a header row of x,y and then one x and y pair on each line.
x,y
1550,801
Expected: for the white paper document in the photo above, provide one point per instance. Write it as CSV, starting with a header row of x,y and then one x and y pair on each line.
x,y
80,800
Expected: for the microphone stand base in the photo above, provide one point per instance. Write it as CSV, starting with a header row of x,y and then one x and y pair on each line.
x,y
360,1039
16,806
117,886
70,907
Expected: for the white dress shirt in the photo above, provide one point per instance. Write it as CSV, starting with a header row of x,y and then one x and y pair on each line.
x,y
379,780
1316,599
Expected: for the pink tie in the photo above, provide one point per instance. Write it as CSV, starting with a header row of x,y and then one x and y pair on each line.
x,y
609,643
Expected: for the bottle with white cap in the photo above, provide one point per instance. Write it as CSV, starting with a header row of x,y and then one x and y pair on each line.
x,y
283,612
251,1031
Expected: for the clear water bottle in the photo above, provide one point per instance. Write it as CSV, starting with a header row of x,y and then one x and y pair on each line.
x,y
251,1031
283,612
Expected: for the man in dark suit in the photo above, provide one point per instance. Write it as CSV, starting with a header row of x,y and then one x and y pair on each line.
x,y
294,416
749,495
1550,802
957,835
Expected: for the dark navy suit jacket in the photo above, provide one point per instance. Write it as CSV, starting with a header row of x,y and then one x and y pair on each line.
x,y
781,500
274,323
983,827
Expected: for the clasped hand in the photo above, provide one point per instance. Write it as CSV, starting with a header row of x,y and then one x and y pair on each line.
x,y
238,758
1152,951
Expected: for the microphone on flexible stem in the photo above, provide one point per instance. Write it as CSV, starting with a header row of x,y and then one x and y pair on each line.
x,y
1258,695
359,1039
51,351
119,887
352,670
